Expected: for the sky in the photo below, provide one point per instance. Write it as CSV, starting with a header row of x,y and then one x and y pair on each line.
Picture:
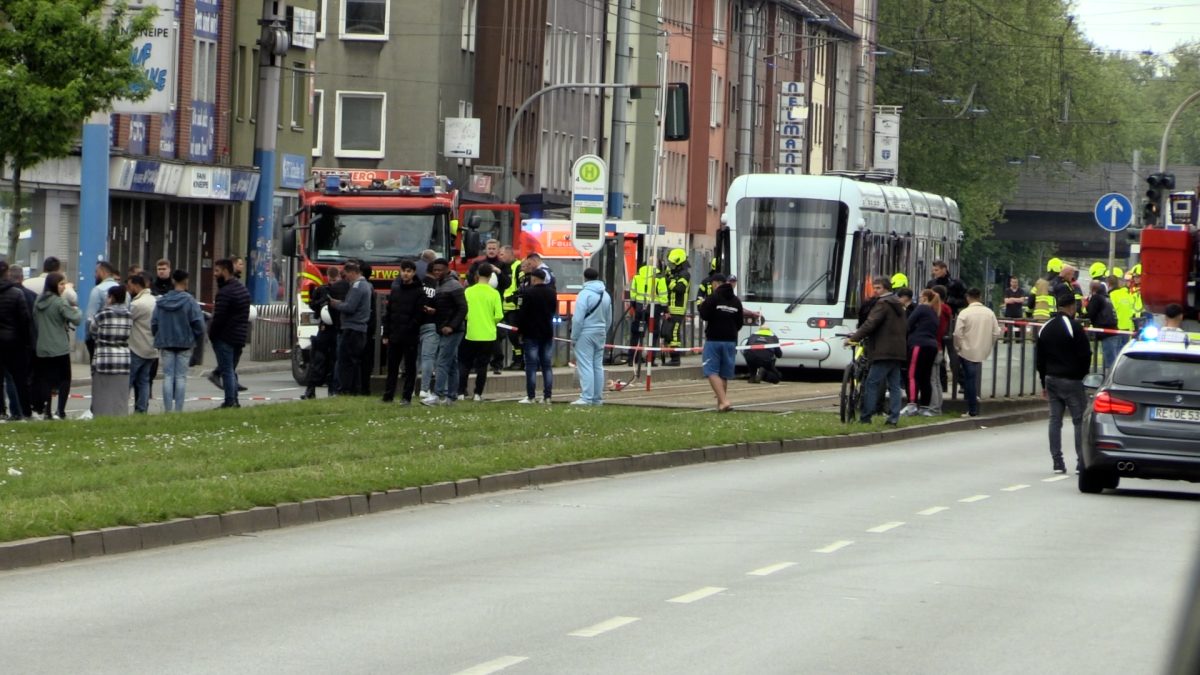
x,y
1139,25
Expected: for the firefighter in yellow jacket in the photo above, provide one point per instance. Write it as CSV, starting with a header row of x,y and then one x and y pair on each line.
x,y
677,301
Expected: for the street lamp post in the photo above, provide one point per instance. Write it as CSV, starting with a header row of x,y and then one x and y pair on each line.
x,y
1162,151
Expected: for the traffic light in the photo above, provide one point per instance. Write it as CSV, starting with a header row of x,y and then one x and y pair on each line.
x,y
1160,184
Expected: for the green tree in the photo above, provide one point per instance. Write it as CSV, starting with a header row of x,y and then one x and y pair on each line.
x,y
988,84
60,62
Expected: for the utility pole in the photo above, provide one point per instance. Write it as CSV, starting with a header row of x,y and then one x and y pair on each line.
x,y
1133,199
273,46
746,90
620,120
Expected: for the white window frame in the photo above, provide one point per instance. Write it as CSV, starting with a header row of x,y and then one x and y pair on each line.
x,y
204,70
712,181
299,85
322,16
338,151
714,106
318,106
719,20
470,25
387,20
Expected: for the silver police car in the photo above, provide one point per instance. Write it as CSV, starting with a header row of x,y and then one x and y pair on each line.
x,y
1144,421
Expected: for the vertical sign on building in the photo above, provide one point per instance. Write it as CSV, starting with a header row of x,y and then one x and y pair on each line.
x,y
207,30
791,121
887,141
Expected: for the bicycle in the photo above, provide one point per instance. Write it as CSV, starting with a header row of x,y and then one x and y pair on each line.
x,y
853,379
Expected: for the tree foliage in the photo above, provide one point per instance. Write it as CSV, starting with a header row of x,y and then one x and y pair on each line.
x,y
60,62
989,87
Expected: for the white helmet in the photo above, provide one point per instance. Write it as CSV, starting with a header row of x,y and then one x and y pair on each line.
x,y
326,317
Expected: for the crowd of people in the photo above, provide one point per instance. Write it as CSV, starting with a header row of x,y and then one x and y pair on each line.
x,y
440,328
133,324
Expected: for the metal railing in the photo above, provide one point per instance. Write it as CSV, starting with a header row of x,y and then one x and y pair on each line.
x,y
272,332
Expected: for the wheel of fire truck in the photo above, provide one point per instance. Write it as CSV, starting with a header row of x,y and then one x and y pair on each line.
x,y
300,365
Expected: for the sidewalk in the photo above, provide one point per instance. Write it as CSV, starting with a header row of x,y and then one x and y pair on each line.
x,y
81,373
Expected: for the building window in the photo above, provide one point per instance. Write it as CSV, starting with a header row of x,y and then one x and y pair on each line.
x,y
299,95
361,127
470,12
719,20
241,92
714,108
714,171
322,12
252,67
364,19
204,71
318,118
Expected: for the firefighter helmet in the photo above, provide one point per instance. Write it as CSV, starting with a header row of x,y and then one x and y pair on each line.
x,y
1098,270
677,256
1054,265
899,280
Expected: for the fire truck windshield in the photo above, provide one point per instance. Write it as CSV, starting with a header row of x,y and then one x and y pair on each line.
x,y
376,237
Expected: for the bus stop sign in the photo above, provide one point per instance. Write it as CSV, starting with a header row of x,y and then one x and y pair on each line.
x,y
589,205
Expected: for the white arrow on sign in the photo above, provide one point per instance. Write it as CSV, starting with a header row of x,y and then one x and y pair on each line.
x,y
1114,208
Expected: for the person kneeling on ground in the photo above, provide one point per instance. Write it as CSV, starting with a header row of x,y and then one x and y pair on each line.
x,y
722,312
763,359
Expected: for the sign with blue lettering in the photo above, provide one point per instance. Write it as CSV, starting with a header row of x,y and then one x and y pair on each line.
x,y
1113,212
166,136
200,149
244,186
292,171
145,176
208,19
153,52
791,88
139,133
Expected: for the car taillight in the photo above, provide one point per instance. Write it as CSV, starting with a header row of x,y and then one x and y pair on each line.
x,y
1109,404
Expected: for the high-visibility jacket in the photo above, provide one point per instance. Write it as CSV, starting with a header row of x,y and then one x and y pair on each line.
x,y
1043,306
510,293
1136,294
677,294
639,286
659,279
1122,301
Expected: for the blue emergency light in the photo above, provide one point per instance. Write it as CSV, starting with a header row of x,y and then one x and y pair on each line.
x,y
333,185
427,184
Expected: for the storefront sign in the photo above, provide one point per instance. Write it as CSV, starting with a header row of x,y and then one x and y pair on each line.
x,y
166,136
209,182
244,186
139,134
148,176
220,183
208,19
201,147
145,176
153,52
293,170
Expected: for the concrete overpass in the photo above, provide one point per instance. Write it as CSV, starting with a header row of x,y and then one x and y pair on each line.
x,y
1057,208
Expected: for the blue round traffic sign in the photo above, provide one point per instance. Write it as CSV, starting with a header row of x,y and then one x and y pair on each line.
x,y
1113,212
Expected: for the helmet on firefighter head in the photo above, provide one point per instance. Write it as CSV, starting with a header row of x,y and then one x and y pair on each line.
x,y
677,256
1054,265
715,264
899,280
1098,270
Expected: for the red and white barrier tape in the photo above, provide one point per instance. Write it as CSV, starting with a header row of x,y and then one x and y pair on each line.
x,y
668,350
1102,331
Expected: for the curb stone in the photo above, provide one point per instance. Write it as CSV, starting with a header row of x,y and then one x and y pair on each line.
x,y
124,539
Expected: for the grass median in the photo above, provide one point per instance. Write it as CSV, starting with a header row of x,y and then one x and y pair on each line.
x,y
62,477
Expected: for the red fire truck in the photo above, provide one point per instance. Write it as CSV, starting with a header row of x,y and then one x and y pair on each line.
x,y
1170,257
382,217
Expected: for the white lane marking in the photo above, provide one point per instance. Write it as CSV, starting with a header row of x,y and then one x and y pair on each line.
x,y
932,510
493,666
284,389
974,498
833,547
769,569
886,526
698,594
604,626
1054,479
1014,488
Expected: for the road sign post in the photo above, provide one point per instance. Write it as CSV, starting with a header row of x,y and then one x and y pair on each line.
x,y
589,180
1113,213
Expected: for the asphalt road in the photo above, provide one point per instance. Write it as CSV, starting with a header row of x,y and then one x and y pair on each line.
x,y
953,554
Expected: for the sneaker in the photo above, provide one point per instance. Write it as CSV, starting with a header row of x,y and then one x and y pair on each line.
x,y
891,423
926,412
477,398
496,371
909,410
579,401
968,415
546,400
429,400
87,415
1059,467
447,401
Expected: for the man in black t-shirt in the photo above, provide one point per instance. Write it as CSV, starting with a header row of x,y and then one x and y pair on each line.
x,y
1015,298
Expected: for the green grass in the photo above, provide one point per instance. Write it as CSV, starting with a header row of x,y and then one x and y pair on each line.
x,y
120,471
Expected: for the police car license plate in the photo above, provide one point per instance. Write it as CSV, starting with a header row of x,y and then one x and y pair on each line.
x,y
1175,414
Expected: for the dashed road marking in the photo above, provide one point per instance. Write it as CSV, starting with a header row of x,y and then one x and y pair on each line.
x,y
834,546
1014,488
932,510
493,666
878,529
769,569
698,594
604,626
1054,479
973,498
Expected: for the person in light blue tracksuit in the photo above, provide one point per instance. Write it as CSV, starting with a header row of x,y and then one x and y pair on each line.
x,y
589,327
